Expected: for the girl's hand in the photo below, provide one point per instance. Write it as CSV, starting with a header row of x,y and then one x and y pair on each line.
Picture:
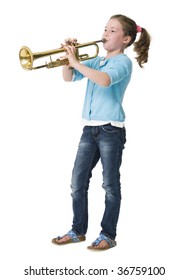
x,y
71,42
70,51
71,55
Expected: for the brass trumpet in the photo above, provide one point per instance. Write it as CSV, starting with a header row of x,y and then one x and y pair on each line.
x,y
27,57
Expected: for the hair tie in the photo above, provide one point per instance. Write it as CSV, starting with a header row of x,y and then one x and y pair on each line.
x,y
138,28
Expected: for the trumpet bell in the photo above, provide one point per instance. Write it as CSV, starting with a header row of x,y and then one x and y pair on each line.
x,y
26,58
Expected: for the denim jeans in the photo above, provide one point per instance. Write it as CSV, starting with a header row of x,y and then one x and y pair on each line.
x,y
104,142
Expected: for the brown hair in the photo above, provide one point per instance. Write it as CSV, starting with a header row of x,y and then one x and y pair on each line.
x,y
141,46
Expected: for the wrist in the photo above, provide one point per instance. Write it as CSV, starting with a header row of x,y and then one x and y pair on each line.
x,y
76,65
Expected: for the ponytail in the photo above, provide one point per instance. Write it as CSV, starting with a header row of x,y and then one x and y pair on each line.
x,y
141,47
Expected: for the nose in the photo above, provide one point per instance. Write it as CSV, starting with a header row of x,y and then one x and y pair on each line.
x,y
106,34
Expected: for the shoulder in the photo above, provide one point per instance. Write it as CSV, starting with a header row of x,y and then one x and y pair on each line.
x,y
122,62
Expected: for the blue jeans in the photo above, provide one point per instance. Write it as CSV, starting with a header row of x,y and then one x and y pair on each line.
x,y
104,142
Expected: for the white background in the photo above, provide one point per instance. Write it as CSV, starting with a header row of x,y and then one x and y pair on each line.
x,y
40,129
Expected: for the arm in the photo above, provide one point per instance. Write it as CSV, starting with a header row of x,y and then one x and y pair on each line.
x,y
95,76
67,73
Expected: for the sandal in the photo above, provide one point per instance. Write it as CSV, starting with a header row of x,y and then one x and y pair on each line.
x,y
110,243
73,238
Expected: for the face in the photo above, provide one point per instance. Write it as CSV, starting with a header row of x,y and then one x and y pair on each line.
x,y
115,38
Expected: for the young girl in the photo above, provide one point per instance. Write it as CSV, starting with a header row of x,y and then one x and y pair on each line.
x,y
104,133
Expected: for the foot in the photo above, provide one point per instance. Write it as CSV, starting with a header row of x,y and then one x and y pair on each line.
x,y
70,237
102,245
62,240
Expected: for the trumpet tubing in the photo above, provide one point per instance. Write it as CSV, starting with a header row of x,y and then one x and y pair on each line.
x,y
27,58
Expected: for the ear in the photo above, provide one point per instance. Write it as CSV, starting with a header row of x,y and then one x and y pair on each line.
x,y
127,40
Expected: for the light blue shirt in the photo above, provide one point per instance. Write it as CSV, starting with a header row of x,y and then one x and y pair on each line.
x,y
105,103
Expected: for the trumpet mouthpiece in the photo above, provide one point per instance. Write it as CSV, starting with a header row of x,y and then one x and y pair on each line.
x,y
103,40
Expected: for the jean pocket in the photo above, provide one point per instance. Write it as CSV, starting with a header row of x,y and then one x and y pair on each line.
x,y
110,128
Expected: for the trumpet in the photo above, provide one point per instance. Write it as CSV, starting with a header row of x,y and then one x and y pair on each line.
x,y
27,58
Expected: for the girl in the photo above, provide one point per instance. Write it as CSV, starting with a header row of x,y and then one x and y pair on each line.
x,y
104,132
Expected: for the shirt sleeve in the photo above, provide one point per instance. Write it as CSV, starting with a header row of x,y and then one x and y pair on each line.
x,y
118,70
77,76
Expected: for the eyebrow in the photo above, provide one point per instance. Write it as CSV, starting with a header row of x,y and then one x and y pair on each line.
x,y
111,27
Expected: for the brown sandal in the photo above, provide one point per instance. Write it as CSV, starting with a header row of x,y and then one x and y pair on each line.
x,y
110,243
73,238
